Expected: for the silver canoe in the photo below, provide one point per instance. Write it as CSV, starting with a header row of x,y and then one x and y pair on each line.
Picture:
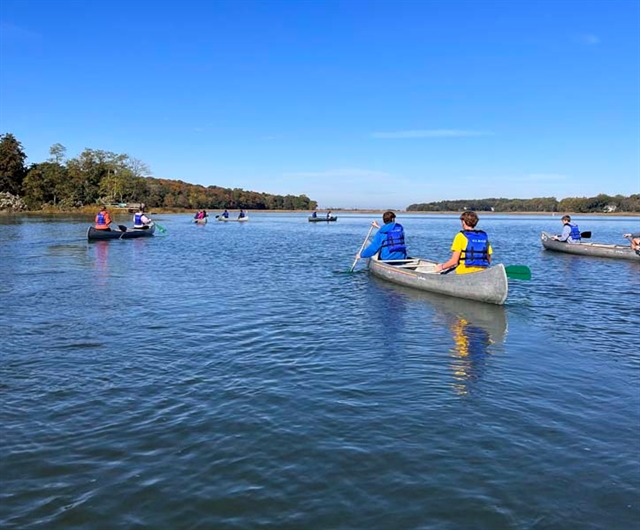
x,y
490,286
599,250
229,220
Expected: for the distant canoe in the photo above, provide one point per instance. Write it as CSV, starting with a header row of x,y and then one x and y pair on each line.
x,y
323,219
202,221
131,233
490,285
229,219
598,250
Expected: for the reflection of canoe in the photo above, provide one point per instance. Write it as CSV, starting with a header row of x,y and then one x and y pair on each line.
x,y
229,220
131,233
491,318
599,250
201,221
489,286
323,219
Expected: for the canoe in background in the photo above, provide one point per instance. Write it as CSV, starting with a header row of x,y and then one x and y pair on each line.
x,y
229,220
598,250
323,219
202,221
490,285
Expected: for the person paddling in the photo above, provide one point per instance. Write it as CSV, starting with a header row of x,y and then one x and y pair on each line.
x,y
389,240
634,240
103,219
470,250
140,220
570,231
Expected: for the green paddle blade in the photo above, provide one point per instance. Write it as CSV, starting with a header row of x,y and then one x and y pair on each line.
x,y
161,228
518,272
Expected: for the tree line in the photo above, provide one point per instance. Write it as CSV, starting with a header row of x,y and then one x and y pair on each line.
x,y
599,204
97,176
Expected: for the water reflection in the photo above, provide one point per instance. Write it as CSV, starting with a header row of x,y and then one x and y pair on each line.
x,y
101,249
476,329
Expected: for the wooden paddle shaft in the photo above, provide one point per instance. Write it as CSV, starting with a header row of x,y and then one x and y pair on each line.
x,y
361,248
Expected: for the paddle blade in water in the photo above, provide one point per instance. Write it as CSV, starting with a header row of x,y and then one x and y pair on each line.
x,y
518,272
161,228
585,235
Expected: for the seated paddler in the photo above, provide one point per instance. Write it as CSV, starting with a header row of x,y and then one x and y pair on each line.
x,y
103,219
389,240
140,219
470,250
570,231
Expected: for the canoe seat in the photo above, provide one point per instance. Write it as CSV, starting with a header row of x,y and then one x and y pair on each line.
x,y
426,268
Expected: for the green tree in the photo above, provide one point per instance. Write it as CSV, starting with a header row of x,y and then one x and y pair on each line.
x,y
44,184
58,152
12,168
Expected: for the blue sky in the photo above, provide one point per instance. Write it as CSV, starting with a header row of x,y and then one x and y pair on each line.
x,y
360,104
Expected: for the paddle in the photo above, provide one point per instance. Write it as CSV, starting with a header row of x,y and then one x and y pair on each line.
x,y
518,272
122,228
361,248
161,228
585,235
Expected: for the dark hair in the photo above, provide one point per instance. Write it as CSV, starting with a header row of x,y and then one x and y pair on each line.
x,y
566,218
388,217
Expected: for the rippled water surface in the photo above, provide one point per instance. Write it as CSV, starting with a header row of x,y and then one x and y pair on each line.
x,y
237,376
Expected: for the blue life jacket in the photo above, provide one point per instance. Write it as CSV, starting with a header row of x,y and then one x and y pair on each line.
x,y
100,219
137,220
477,252
575,232
225,215
395,240
242,214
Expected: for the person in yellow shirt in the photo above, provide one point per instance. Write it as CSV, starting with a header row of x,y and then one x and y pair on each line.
x,y
470,250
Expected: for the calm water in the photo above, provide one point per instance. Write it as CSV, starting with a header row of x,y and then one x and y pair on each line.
x,y
234,376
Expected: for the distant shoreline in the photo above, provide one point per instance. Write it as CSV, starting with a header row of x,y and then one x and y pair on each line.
x,y
160,211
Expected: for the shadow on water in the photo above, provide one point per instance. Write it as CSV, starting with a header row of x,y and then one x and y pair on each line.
x,y
476,329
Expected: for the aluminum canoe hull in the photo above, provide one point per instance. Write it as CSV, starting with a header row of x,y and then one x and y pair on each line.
x,y
598,250
490,286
